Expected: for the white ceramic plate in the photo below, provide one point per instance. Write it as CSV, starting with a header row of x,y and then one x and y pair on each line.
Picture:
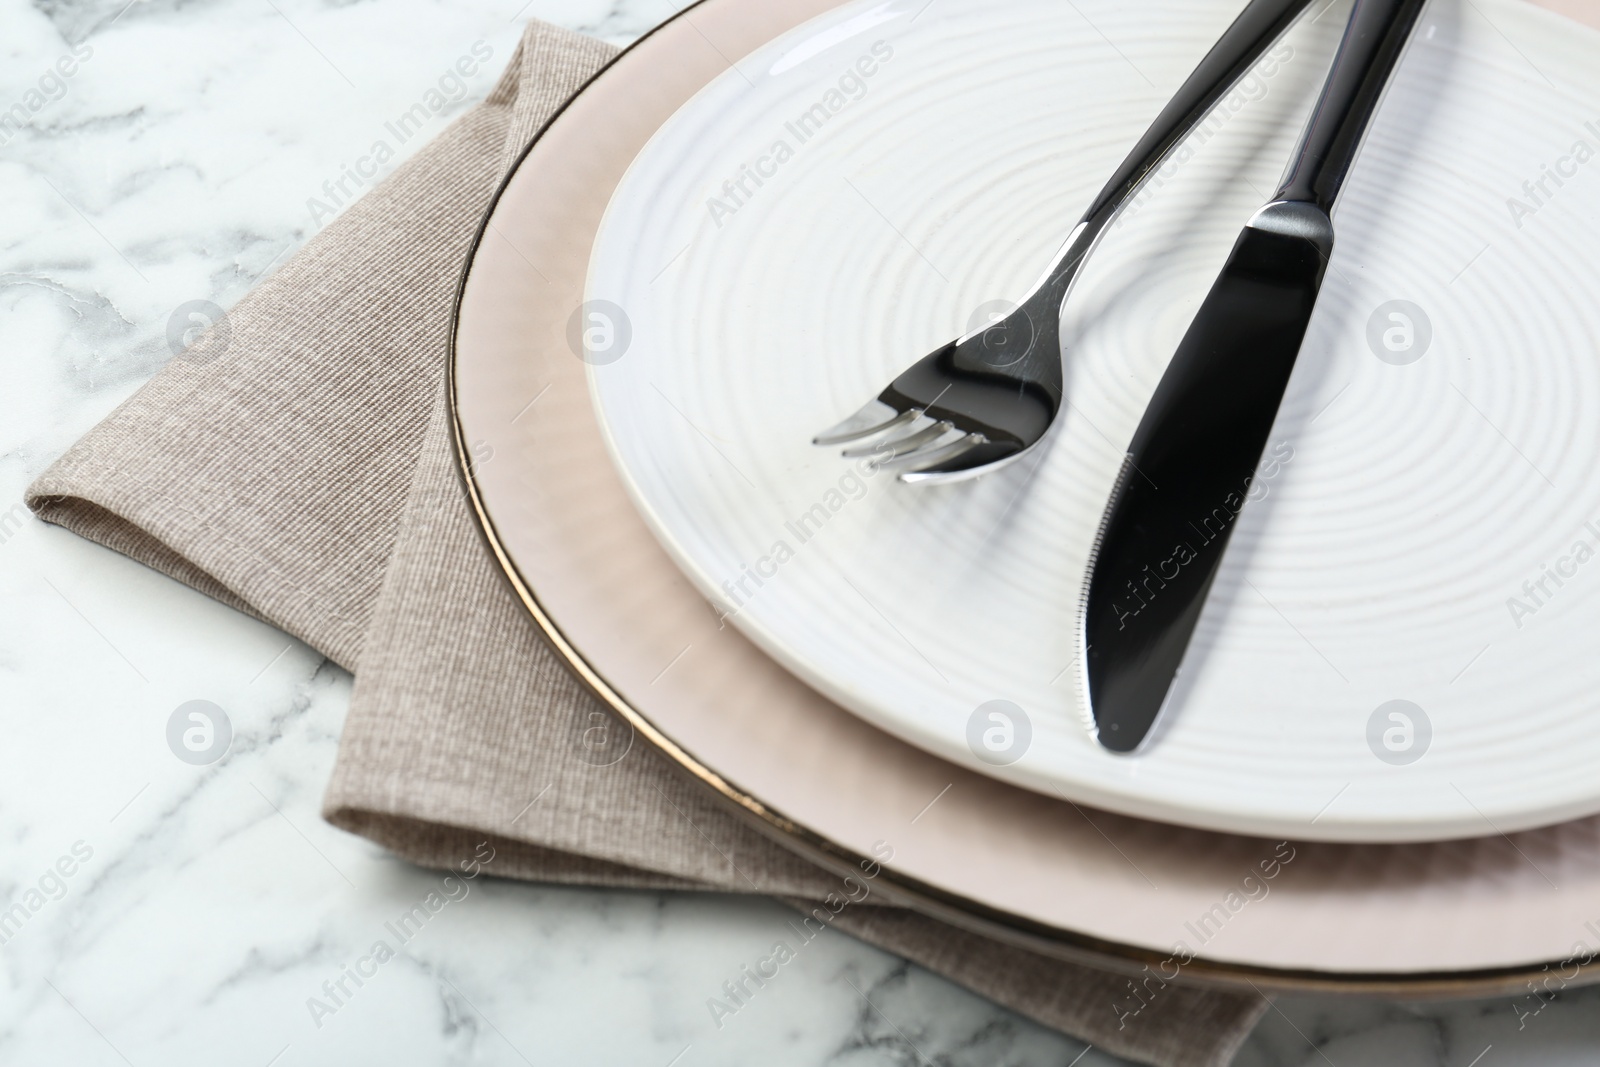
x,y
776,272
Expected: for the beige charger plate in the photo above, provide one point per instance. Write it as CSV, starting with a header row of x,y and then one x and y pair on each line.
x,y
1458,917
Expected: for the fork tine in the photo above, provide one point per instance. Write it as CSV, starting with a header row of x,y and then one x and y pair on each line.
x,y
930,450
901,446
918,467
901,430
874,418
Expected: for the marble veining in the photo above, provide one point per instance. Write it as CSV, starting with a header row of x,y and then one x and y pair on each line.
x,y
179,914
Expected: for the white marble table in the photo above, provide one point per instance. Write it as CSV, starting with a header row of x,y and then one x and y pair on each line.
x,y
184,156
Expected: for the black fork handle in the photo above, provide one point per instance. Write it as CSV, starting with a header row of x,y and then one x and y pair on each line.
x,y
1258,28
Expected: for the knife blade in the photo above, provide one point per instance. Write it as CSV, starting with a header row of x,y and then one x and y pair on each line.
x,y
1189,468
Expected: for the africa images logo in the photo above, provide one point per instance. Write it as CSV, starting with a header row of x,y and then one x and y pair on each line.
x,y
1207,528
850,87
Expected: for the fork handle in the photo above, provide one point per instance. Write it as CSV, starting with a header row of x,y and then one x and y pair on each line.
x,y
1256,29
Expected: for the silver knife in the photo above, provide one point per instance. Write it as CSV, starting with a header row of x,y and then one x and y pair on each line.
x,y
1190,464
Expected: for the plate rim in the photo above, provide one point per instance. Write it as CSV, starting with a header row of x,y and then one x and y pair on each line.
x,y
904,890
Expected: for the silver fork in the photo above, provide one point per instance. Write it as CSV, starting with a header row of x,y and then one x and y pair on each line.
x,y
986,398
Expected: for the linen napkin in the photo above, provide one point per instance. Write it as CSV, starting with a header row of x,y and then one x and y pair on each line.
x,y
304,475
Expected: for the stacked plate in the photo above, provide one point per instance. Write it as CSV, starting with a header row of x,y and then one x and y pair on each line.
x,y
1378,773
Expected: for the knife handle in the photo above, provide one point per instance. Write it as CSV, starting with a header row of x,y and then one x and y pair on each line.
x,y
1373,43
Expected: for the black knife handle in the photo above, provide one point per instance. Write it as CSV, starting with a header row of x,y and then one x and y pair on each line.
x,y
1373,43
